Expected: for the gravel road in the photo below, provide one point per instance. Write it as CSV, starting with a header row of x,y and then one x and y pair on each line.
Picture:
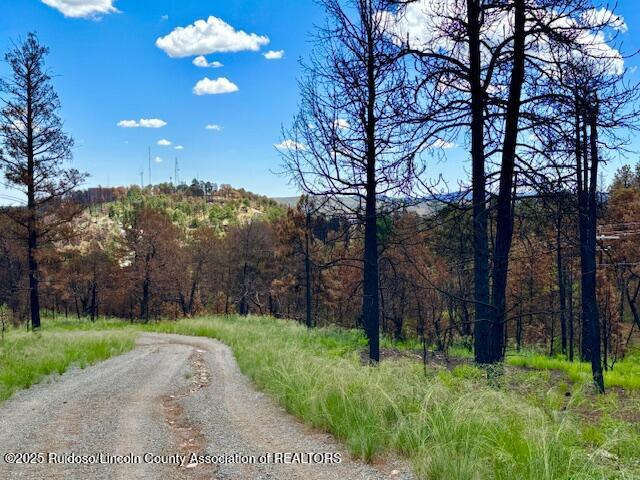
x,y
169,398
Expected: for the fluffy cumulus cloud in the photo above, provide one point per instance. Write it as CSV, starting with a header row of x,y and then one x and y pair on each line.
x,y
128,124
209,36
164,142
602,16
158,160
289,145
142,123
201,61
425,23
82,8
220,85
214,127
179,147
274,54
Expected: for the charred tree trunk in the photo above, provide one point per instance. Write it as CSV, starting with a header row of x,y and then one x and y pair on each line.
x,y
32,234
494,348
307,272
561,277
371,307
34,295
480,218
370,283
570,315
144,304
192,296
243,306
94,300
587,176
596,361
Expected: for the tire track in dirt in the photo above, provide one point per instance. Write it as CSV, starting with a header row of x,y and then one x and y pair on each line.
x,y
172,395
187,436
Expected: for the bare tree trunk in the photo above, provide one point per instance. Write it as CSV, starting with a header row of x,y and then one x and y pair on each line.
x,y
32,234
144,305
371,307
583,229
192,295
592,307
307,272
370,284
75,298
243,307
34,296
480,219
587,177
562,295
504,219
570,314
94,300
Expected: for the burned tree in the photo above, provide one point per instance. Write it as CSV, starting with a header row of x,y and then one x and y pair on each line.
x,y
480,63
583,98
35,149
348,144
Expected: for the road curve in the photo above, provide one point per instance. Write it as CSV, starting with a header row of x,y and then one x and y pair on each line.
x,y
169,398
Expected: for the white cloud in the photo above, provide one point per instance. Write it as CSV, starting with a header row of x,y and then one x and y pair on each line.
x,y
82,8
164,17
273,54
142,123
603,17
289,145
210,36
341,123
213,126
128,124
214,87
201,61
179,147
158,160
152,123
425,25
439,143
164,142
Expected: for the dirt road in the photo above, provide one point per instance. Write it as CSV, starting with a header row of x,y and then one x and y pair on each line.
x,y
143,414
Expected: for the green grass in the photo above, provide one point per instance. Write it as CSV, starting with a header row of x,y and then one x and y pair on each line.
x,y
26,358
449,424
625,374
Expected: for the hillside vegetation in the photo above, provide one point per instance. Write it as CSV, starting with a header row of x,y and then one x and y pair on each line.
x,y
200,204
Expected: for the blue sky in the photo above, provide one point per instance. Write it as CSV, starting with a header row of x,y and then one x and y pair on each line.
x,y
109,69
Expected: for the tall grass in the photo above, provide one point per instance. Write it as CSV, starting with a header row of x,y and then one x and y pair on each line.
x,y
625,374
451,425
26,358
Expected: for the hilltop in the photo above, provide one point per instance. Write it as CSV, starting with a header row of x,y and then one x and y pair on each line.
x,y
188,206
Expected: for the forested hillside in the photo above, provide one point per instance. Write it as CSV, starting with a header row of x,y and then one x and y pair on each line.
x,y
170,252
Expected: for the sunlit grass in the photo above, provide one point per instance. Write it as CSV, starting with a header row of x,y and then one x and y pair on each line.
x,y
625,374
449,424
26,358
